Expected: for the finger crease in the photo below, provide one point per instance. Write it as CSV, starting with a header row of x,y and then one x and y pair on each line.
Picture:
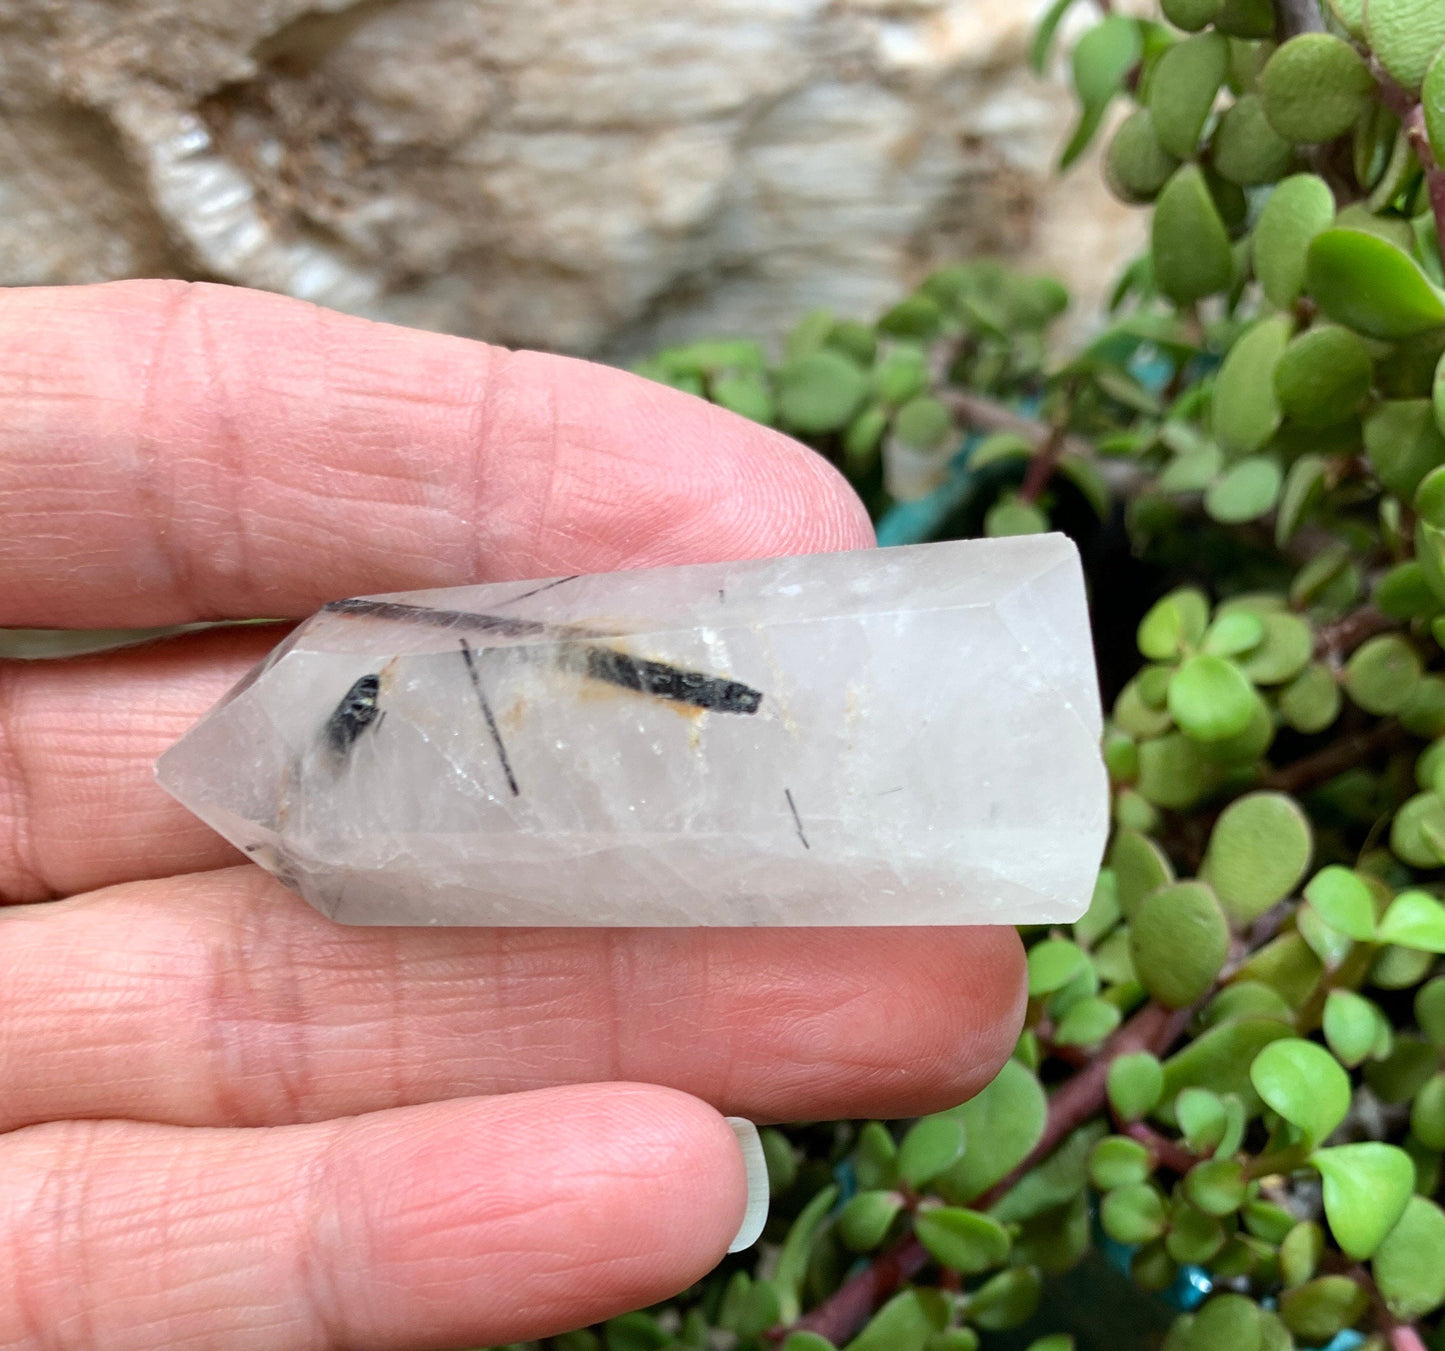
x,y
22,877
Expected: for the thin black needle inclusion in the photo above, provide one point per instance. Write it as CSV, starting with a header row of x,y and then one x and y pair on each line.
x,y
797,820
487,714
578,650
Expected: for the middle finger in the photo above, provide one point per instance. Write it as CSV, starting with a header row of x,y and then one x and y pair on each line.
x,y
222,999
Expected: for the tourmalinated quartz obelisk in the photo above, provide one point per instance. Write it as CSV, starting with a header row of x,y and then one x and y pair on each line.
x,y
897,736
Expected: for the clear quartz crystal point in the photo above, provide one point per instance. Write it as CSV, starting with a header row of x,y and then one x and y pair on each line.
x,y
898,736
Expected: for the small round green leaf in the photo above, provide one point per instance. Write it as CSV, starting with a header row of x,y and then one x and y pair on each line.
x,y
1185,84
1429,1011
1248,490
804,1341
1427,1113
1404,444
1304,488
1087,1022
917,317
1011,515
864,1222
1101,62
1191,15
1216,1186
1404,592
1288,645
1368,284
901,372
1417,835
1203,1119
1174,772
1351,1026
1117,1161
819,392
1315,88
747,395
1311,702
924,423
1323,1308
1179,939
1133,1214
1139,866
1246,18
1006,1300
1246,412
1367,1187
1053,964
1234,634
1002,1124
1381,674
1409,1266
1304,1083
1416,920
1300,1251
1323,376
1343,901
1210,698
1405,35
1246,149
933,1144
1258,851
1227,1323
1298,209
1190,245
1137,166
1136,1083
963,1240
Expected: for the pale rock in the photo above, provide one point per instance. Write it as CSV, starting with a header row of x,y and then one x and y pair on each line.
x,y
896,737
597,176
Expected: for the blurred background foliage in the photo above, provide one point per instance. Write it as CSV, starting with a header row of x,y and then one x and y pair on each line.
x,y
1222,1126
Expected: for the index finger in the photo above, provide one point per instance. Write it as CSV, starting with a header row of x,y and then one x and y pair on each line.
x,y
173,451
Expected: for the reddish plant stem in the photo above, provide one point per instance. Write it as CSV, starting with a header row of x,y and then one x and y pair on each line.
x,y
1154,1028
1161,1149
1043,464
988,415
1403,1337
1345,635
1337,757
1412,119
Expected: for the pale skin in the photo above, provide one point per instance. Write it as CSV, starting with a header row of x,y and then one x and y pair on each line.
x,y
226,1123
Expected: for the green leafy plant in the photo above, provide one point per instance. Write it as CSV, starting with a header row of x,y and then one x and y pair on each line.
x,y
1232,1077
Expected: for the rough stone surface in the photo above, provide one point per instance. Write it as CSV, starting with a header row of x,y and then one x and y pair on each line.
x,y
905,736
593,175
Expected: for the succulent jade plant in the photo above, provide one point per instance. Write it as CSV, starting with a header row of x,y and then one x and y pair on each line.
x,y
1231,1083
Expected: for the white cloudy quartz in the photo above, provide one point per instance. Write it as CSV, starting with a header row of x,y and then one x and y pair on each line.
x,y
897,736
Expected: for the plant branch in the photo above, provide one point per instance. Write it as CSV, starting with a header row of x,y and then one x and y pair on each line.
x,y
1042,465
1161,1149
1154,1028
1345,635
1334,759
1293,17
1412,119
987,415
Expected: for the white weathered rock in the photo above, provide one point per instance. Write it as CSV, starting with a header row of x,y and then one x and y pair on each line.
x,y
904,736
599,176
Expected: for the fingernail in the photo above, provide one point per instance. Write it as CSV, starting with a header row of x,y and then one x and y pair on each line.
x,y
756,1214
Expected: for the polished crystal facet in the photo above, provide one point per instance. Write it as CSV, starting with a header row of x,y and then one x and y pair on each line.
x,y
897,736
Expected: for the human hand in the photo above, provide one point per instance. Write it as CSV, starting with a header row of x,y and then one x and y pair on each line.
x,y
229,1123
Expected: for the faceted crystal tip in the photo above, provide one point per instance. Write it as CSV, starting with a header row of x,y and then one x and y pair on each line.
x,y
899,736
